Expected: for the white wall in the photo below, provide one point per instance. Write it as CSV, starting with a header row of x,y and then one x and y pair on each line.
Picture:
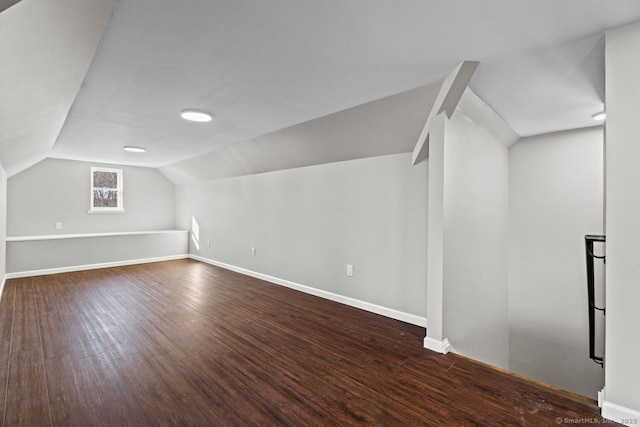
x,y
555,197
308,223
3,226
475,242
59,191
46,256
622,375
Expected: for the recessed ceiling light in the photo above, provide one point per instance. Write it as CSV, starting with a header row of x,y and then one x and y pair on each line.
x,y
195,115
600,116
134,149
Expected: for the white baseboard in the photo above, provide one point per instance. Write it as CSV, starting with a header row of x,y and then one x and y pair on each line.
x,y
601,398
438,346
620,414
69,269
4,280
384,311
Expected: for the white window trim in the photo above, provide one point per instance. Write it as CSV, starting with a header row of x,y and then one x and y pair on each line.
x,y
119,189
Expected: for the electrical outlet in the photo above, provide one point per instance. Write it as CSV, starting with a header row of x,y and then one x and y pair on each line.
x,y
58,226
253,251
349,270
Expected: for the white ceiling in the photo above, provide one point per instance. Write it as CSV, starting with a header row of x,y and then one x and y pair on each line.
x,y
263,66
5,4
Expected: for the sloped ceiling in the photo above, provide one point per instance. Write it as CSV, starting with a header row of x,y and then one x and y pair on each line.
x,y
6,4
389,125
264,66
45,49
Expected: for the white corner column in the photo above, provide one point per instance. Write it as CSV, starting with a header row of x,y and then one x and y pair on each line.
x,y
435,238
621,398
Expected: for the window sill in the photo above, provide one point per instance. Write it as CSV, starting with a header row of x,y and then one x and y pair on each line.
x,y
105,211
87,235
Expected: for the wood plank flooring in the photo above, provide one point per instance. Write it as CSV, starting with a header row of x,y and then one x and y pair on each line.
x,y
185,343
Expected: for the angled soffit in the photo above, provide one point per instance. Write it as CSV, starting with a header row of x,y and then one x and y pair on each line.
x,y
386,126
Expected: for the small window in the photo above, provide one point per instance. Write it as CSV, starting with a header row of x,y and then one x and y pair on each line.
x,y
106,190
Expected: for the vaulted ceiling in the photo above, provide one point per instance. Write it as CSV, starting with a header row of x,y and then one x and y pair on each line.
x,y
46,48
263,66
5,4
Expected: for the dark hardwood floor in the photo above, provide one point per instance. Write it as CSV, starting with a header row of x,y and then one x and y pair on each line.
x,y
185,343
